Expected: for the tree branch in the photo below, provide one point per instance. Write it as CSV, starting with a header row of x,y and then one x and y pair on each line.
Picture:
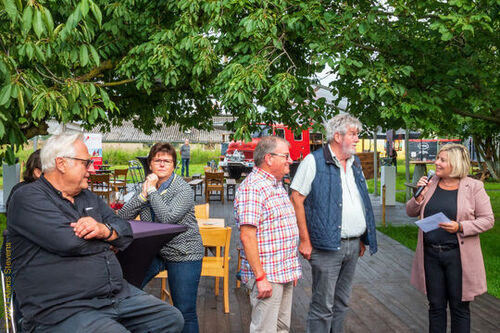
x,y
477,116
105,65
116,83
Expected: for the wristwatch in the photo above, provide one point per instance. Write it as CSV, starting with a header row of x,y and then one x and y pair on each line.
x,y
110,231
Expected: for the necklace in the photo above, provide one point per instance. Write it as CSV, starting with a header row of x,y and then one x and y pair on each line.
x,y
454,185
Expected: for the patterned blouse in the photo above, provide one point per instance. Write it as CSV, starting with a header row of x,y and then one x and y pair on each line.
x,y
173,205
262,201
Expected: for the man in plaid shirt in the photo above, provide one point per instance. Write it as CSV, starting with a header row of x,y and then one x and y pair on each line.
x,y
269,234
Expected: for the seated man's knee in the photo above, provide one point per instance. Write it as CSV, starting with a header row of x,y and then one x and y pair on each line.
x,y
173,320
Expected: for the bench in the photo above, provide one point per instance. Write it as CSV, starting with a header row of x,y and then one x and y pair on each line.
x,y
230,185
195,185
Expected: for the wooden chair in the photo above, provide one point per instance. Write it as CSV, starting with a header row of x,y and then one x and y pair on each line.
x,y
202,211
120,180
164,292
214,182
101,186
217,266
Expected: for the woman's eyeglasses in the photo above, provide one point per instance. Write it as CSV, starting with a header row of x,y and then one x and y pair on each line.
x,y
160,161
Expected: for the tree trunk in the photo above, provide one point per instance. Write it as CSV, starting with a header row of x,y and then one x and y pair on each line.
x,y
488,149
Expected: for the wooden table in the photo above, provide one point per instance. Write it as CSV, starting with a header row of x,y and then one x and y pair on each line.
x,y
420,170
211,223
197,184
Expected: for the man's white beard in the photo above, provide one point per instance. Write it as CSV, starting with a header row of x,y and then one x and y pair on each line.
x,y
347,150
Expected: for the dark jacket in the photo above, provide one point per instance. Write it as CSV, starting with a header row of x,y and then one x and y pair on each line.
x,y
55,273
323,205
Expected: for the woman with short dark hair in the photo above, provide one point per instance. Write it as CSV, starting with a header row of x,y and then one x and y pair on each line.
x,y
167,198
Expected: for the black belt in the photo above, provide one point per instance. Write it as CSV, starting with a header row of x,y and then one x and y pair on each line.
x,y
441,247
349,238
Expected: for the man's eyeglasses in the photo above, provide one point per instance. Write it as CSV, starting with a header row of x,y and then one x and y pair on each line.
x,y
87,163
286,156
160,161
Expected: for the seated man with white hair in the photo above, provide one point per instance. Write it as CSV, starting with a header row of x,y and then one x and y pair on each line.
x,y
65,274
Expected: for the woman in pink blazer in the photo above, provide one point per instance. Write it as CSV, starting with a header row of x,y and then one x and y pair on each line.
x,y
448,264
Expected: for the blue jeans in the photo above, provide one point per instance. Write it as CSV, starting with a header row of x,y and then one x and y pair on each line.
x,y
185,164
140,312
332,275
183,279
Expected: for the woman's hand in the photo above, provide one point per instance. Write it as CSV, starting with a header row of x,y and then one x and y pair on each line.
x,y
423,181
152,179
145,187
452,227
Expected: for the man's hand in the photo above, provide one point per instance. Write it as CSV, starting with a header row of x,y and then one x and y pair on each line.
x,y
305,248
362,248
264,288
88,228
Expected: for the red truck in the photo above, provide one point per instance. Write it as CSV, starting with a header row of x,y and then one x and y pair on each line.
x,y
239,154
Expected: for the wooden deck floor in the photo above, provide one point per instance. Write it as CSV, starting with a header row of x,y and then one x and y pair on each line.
x,y
382,298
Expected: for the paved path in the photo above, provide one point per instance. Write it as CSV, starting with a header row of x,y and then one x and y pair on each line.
x,y
395,215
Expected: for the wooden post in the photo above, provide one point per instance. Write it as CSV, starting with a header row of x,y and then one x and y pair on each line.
x,y
407,163
375,164
383,205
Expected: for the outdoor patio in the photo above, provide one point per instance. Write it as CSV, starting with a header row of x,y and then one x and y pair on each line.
x,y
382,301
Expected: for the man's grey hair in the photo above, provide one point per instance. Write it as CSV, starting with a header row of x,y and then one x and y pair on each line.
x,y
58,146
341,124
266,145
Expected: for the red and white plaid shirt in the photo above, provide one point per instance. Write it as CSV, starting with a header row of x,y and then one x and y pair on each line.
x,y
262,201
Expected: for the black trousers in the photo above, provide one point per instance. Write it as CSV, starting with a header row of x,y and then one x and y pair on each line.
x,y
443,279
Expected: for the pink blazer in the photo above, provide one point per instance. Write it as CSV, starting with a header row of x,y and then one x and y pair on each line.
x,y
475,214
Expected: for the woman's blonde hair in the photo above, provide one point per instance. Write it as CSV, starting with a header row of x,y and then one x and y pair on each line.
x,y
458,157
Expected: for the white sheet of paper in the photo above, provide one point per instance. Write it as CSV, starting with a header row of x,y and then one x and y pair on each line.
x,y
432,222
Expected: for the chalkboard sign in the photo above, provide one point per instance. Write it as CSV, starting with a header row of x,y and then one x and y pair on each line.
x,y
423,150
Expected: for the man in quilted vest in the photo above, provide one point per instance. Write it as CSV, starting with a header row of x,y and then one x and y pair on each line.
x,y
335,220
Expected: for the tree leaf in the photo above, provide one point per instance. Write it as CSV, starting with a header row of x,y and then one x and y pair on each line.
x,y
363,28
97,12
39,53
84,55
20,101
84,7
11,9
38,26
29,51
2,129
27,19
95,55
10,157
5,94
49,22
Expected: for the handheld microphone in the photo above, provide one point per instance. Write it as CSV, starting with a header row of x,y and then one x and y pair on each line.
x,y
421,188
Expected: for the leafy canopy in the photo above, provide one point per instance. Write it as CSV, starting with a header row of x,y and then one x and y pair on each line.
x,y
428,65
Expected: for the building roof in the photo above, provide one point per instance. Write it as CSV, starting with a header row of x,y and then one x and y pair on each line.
x,y
127,133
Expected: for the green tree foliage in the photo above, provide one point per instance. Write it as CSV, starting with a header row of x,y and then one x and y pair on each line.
x,y
428,65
